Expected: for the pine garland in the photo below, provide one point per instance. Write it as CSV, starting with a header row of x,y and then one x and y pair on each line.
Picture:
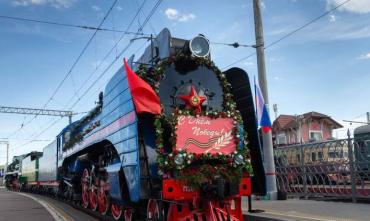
x,y
197,169
76,134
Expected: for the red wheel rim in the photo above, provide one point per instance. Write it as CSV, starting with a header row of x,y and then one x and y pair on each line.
x,y
116,211
103,203
128,215
85,188
152,209
93,196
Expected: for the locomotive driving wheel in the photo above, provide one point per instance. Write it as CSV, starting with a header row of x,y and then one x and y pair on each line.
x,y
116,211
103,203
85,188
128,214
93,196
152,210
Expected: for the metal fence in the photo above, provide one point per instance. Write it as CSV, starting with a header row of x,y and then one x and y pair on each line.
x,y
338,168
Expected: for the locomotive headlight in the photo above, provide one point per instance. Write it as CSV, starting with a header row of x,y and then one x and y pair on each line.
x,y
199,46
238,159
179,159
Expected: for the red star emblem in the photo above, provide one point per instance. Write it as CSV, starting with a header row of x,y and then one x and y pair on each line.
x,y
193,100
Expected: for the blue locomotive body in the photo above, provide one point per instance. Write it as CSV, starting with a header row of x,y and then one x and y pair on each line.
x,y
117,122
117,159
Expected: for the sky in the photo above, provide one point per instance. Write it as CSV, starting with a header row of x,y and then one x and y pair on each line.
x,y
324,67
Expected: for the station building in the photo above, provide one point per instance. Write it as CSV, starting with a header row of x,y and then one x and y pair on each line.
x,y
307,127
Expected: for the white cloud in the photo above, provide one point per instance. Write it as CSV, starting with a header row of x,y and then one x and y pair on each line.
x,y
341,32
365,56
347,29
119,8
355,6
53,3
188,17
175,15
95,8
332,18
171,13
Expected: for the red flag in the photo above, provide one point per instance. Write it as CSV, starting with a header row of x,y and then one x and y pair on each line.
x,y
143,95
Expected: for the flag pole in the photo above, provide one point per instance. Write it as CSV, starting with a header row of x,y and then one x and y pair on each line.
x,y
255,98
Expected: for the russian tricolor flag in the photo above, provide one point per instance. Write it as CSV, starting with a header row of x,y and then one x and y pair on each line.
x,y
262,115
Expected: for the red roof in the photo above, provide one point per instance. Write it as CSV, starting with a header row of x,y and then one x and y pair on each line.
x,y
283,120
289,121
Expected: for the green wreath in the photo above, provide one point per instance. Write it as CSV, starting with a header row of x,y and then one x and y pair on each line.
x,y
196,169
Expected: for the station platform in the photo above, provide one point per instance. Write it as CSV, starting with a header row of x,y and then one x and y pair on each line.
x,y
307,210
30,207
17,207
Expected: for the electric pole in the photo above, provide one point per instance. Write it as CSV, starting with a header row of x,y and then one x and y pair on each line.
x,y
368,117
275,107
268,151
7,153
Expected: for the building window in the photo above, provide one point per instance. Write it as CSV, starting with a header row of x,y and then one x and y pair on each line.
x,y
332,154
319,155
313,157
281,138
316,135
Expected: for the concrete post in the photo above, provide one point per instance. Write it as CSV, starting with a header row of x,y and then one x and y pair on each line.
x,y
268,151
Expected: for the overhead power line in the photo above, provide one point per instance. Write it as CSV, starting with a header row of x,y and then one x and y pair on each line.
x,y
105,58
235,44
109,66
83,50
357,122
290,33
123,50
31,140
86,27
71,68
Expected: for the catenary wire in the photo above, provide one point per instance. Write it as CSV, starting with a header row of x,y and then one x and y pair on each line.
x,y
104,72
86,27
71,68
290,33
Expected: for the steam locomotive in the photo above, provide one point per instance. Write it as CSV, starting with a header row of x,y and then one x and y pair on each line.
x,y
171,138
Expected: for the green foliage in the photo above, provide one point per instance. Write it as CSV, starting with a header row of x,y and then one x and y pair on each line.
x,y
197,169
76,134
